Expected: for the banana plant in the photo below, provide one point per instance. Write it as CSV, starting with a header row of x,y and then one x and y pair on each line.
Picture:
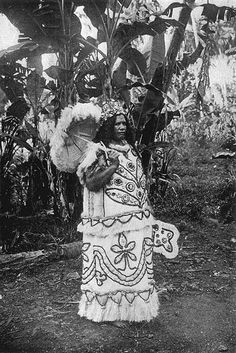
x,y
121,57
84,70
154,100
52,26
10,143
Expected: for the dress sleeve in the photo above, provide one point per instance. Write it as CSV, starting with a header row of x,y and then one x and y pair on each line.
x,y
96,161
99,165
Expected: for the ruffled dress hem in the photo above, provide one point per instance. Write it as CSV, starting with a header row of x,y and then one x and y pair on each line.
x,y
121,306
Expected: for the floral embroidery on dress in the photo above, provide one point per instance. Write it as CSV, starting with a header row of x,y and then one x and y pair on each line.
x,y
102,264
85,247
124,252
100,277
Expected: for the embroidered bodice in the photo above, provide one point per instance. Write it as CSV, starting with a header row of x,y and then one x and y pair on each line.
x,y
126,192
127,186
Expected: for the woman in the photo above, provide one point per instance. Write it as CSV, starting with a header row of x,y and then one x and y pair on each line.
x,y
117,280
119,231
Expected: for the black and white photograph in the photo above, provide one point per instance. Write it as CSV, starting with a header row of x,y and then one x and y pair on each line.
x,y
117,176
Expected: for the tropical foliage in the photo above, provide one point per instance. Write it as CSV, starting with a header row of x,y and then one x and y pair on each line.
x,y
125,57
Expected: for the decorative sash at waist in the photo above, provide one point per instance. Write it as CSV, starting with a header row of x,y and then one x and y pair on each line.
x,y
102,227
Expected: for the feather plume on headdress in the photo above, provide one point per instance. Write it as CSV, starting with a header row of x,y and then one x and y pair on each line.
x,y
67,148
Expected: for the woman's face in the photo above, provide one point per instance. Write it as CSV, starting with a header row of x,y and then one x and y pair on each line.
x,y
120,128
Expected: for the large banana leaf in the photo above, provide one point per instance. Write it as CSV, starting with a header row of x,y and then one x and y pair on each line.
x,y
125,33
154,100
136,63
12,76
154,52
95,9
18,51
120,39
44,22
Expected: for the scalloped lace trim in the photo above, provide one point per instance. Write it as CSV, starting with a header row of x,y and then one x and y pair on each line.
x,y
120,306
102,227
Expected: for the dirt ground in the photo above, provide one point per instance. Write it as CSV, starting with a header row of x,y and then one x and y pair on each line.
x,y
38,306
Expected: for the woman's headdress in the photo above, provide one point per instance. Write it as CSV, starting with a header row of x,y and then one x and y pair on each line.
x,y
76,129
112,107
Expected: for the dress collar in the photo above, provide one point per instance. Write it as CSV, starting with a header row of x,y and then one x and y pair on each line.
x,y
124,149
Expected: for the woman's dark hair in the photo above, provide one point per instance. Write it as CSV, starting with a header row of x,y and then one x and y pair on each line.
x,y
105,132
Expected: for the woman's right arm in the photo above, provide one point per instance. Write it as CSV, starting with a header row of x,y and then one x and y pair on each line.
x,y
97,178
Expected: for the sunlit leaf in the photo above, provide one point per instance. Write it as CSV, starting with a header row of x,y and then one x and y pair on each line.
x,y
18,51
95,10
154,53
169,10
125,33
58,73
18,141
86,50
231,51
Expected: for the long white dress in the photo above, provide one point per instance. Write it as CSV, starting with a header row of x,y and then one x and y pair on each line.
x,y
117,278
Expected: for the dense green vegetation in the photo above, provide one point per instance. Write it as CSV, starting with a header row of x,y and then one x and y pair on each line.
x,y
183,118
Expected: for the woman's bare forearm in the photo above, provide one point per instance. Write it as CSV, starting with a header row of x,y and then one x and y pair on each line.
x,y
100,179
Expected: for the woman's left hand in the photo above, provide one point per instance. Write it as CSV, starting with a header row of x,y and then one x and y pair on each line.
x,y
114,157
